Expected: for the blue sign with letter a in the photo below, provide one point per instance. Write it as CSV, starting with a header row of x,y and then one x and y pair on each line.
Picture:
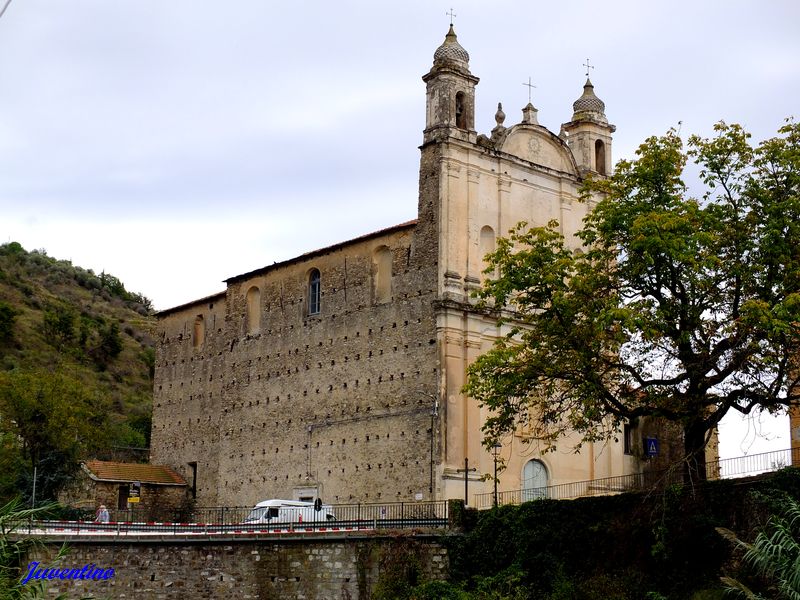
x,y
650,446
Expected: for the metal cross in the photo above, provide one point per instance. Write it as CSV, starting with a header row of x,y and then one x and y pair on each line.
x,y
588,66
529,85
452,15
466,470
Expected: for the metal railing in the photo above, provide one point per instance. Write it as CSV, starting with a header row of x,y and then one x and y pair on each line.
x,y
391,511
726,468
754,464
229,520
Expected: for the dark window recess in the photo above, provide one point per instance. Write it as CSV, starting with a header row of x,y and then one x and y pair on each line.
x,y
122,501
627,438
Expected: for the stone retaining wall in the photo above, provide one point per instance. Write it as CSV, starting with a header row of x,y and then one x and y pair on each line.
x,y
333,568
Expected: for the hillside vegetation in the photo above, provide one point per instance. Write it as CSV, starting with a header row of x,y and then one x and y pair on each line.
x,y
76,367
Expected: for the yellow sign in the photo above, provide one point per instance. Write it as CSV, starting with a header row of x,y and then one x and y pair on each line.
x,y
135,491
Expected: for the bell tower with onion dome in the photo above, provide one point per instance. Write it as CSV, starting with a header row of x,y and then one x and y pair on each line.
x,y
588,134
450,104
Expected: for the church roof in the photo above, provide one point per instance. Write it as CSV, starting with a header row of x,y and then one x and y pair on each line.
x,y
101,470
203,300
277,265
321,251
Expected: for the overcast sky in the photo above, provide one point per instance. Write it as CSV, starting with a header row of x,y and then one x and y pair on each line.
x,y
175,144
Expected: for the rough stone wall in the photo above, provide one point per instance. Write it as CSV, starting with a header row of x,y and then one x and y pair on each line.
x,y
335,404
187,394
157,503
334,569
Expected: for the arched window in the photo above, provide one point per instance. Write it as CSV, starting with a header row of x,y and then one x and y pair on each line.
x,y
199,333
600,157
314,292
461,111
534,481
382,275
486,245
253,315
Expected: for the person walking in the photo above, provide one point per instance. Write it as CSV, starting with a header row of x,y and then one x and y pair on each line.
x,y
102,515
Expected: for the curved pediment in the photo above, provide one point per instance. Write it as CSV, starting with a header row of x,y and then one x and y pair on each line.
x,y
540,146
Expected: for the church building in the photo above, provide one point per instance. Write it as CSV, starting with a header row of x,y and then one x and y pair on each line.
x,y
338,373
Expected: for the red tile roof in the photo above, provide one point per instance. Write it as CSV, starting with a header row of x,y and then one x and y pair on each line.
x,y
117,471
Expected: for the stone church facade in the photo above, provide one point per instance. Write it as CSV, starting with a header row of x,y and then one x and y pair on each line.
x,y
338,373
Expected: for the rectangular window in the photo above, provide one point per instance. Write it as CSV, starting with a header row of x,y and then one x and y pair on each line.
x,y
627,435
314,292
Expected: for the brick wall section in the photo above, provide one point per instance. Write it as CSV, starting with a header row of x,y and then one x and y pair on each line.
x,y
329,569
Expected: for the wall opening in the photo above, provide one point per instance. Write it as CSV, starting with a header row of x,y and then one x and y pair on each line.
x,y
461,110
122,496
193,467
600,157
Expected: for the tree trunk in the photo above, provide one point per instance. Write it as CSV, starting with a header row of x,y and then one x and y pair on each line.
x,y
694,445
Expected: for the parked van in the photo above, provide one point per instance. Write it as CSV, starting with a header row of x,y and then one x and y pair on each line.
x,y
290,511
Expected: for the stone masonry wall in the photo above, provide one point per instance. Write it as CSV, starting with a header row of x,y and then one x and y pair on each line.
x,y
322,569
187,394
336,405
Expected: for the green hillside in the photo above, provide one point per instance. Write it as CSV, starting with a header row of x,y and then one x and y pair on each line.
x,y
76,367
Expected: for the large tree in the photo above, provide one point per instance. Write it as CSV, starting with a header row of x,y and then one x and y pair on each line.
x,y
48,422
676,307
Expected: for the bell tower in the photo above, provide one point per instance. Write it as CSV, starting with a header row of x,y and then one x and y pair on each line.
x,y
588,134
450,100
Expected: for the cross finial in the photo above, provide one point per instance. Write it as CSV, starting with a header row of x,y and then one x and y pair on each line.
x,y
588,66
452,15
530,86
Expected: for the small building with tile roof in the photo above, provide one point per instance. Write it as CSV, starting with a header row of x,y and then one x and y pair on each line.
x,y
130,491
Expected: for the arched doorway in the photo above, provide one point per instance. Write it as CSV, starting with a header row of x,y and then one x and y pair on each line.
x,y
534,480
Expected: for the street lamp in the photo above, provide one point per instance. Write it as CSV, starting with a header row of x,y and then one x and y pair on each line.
x,y
434,414
495,449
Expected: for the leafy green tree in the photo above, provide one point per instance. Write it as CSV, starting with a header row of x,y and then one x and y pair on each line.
x,y
59,325
7,316
54,422
677,307
109,346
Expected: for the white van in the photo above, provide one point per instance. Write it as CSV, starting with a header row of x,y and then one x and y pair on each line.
x,y
290,511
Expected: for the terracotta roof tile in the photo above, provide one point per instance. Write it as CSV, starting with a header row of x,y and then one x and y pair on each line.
x,y
118,471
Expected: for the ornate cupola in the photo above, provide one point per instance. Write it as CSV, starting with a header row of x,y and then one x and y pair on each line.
x,y
450,105
589,106
589,133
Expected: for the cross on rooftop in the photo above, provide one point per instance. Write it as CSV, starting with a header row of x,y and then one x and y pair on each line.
x,y
530,86
588,66
452,15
